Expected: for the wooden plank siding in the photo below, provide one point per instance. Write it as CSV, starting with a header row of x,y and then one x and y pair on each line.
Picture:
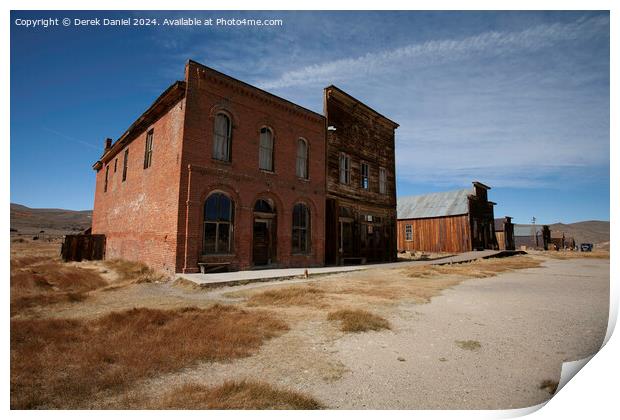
x,y
437,234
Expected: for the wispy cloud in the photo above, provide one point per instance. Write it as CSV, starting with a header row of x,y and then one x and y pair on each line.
x,y
441,51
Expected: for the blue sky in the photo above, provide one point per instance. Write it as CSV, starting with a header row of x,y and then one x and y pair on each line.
x,y
517,100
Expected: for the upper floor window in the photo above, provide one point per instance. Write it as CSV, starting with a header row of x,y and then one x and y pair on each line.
x,y
218,224
265,155
301,229
125,163
302,159
105,182
222,135
382,181
364,180
345,168
148,149
408,233
115,164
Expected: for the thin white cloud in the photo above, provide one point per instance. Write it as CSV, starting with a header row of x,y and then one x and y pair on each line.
x,y
439,51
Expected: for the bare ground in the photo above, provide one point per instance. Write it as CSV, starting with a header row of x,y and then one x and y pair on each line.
x,y
519,318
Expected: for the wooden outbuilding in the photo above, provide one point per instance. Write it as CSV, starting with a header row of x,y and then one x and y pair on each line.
x,y
453,221
504,233
532,236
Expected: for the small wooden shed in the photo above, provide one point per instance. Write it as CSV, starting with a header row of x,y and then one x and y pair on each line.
x,y
504,233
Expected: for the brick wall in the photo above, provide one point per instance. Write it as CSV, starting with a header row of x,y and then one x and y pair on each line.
x,y
209,92
139,215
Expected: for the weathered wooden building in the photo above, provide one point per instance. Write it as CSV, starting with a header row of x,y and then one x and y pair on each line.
x,y
360,211
453,221
532,236
504,233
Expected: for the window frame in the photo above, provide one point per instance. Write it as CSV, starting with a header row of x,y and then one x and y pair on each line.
x,y
227,138
217,222
125,164
409,232
344,163
105,182
148,149
297,247
382,180
270,150
365,176
305,159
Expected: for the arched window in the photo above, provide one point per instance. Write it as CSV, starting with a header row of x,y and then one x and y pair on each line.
x,y
302,159
301,229
218,224
221,140
265,155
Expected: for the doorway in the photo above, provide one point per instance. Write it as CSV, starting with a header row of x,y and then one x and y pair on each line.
x,y
263,233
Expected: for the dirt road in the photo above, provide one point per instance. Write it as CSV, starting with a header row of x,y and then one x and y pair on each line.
x,y
485,344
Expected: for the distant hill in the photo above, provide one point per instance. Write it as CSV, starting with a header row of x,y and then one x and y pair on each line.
x,y
53,221
592,231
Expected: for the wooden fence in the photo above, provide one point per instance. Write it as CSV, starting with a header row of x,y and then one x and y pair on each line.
x,y
83,247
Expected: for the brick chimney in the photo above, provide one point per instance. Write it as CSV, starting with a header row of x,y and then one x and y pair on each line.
x,y
108,144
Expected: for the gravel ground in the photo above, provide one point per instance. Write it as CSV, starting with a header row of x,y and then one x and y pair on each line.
x,y
527,323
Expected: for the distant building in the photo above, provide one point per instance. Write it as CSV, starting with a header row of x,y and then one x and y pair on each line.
x,y
453,221
561,241
532,236
504,233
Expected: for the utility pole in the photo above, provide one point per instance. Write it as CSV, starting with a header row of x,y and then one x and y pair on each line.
x,y
533,232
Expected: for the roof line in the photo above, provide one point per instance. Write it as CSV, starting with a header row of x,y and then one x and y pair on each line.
x,y
256,88
179,84
362,103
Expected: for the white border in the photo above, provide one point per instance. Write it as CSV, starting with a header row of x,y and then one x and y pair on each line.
x,y
592,394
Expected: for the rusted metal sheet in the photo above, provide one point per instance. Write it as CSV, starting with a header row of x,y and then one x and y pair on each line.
x,y
83,247
449,203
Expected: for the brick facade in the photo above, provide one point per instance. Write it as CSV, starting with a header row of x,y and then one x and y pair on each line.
x,y
157,214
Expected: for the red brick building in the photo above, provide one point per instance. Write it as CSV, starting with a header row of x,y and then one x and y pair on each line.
x,y
216,173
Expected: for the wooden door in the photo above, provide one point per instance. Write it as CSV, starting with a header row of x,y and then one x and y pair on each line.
x,y
260,245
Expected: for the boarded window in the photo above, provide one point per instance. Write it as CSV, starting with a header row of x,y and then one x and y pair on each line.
x,y
345,168
115,164
125,163
301,229
105,183
218,224
148,149
265,154
302,159
222,136
364,181
408,233
382,181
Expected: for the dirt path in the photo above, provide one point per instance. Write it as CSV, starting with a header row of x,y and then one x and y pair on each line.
x,y
526,323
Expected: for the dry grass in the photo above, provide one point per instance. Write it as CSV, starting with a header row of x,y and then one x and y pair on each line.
x,y
470,345
380,286
288,296
567,255
236,395
549,385
61,363
37,281
357,320
133,272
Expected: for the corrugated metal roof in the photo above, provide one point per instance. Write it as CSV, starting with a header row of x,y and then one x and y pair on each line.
x,y
526,230
449,203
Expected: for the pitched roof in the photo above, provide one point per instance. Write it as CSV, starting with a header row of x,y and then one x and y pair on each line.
x,y
449,203
526,230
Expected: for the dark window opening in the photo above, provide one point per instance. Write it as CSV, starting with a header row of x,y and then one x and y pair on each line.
x,y
301,229
218,224
125,163
148,149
